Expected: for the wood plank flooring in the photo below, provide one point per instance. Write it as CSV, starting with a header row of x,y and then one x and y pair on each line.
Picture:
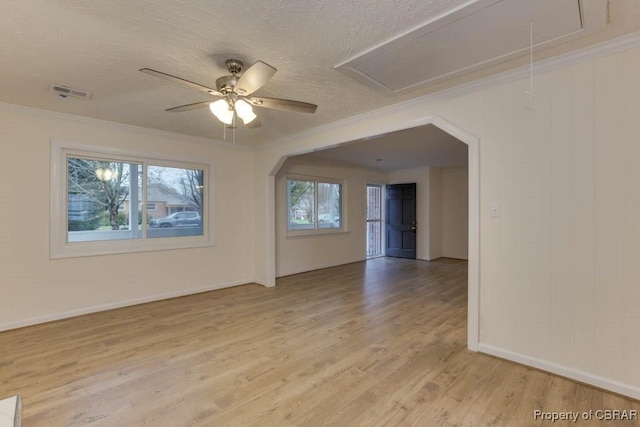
x,y
377,343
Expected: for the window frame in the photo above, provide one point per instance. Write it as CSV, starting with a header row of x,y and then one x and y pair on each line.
x,y
316,231
60,247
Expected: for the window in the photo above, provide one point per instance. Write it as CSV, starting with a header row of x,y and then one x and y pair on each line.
x,y
97,201
97,190
180,188
314,204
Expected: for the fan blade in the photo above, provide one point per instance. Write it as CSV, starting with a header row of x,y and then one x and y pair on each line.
x,y
283,104
254,78
188,107
175,79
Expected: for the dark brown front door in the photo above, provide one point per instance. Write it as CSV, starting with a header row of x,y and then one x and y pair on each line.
x,y
401,220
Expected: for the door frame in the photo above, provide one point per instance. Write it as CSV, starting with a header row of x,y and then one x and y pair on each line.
x,y
399,229
473,152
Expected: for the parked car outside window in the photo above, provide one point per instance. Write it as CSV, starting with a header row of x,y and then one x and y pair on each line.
x,y
326,218
178,219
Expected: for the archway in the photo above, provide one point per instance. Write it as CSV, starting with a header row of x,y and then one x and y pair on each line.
x,y
462,135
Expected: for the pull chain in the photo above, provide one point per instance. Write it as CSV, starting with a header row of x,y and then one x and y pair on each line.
x,y
530,91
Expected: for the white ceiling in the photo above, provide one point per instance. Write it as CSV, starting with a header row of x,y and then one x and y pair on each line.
x,y
99,45
406,149
484,32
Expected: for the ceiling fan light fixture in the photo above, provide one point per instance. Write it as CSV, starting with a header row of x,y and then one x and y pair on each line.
x,y
221,110
244,110
234,94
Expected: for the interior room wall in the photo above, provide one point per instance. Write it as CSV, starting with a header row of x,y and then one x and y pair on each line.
x,y
558,282
435,231
304,253
34,288
435,213
455,213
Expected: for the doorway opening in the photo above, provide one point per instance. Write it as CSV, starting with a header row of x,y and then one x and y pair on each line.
x,y
348,148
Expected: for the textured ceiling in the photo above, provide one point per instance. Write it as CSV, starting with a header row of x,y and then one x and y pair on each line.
x,y
409,148
98,46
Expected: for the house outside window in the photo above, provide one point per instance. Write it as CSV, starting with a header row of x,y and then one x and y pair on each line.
x,y
97,201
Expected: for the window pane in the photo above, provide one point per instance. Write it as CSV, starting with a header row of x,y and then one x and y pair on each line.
x,y
329,205
374,198
98,199
301,203
374,238
178,197
374,220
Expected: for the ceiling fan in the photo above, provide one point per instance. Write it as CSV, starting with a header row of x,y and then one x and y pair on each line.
x,y
235,94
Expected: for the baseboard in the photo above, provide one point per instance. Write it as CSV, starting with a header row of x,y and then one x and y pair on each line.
x,y
443,257
564,371
104,307
263,283
456,258
318,267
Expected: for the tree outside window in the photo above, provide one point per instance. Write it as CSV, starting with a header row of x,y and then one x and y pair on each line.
x,y
104,195
313,204
97,191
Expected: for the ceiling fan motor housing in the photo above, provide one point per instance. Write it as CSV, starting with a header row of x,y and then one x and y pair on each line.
x,y
234,65
226,84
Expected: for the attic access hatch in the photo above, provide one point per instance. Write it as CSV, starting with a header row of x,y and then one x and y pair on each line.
x,y
479,34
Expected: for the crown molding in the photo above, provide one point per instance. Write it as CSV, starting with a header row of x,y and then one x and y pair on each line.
x,y
90,120
564,60
577,56
608,47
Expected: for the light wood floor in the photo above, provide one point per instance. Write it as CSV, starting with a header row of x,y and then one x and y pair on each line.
x,y
380,343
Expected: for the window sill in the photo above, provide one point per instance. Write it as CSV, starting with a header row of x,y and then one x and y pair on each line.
x,y
315,233
120,247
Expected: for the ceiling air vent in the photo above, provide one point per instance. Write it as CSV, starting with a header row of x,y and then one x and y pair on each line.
x,y
65,91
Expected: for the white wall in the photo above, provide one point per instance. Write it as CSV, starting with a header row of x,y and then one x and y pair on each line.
x,y
304,253
558,276
448,213
435,213
455,213
35,288
438,195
